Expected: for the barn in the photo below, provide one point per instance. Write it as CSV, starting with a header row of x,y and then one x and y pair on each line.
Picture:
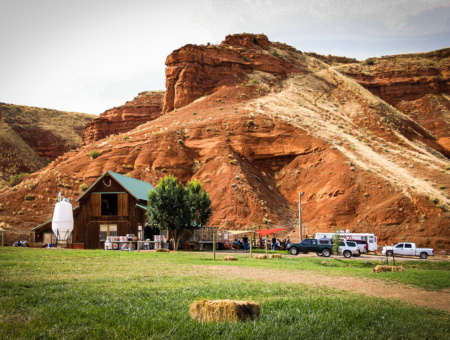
x,y
115,205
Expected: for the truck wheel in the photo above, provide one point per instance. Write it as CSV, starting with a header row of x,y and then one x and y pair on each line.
x,y
326,253
319,253
389,253
423,256
293,251
347,254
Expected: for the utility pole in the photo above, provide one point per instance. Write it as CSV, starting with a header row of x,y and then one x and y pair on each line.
x,y
300,194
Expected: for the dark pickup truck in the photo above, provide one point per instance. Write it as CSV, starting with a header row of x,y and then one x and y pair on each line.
x,y
322,247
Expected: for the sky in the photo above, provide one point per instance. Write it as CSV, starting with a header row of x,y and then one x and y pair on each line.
x,y
92,55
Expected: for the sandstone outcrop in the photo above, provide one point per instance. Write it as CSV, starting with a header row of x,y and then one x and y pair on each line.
x,y
145,107
194,71
256,136
418,85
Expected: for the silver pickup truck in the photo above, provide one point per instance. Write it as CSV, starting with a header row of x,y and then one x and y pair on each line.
x,y
408,249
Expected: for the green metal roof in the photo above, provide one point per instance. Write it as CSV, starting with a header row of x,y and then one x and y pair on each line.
x,y
143,207
138,189
41,225
135,187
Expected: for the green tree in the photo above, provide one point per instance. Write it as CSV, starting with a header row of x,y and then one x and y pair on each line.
x,y
175,207
336,239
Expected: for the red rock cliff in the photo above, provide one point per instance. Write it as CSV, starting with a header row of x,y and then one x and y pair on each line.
x,y
145,107
418,85
193,71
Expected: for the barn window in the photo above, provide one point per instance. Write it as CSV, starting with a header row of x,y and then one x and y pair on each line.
x,y
107,230
109,204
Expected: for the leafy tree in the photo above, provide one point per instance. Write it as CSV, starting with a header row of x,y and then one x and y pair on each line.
x,y
175,207
336,239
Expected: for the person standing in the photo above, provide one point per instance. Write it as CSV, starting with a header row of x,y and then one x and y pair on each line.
x,y
288,241
274,243
246,246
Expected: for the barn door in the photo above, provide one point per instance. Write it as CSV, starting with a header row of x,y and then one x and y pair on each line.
x,y
122,204
96,204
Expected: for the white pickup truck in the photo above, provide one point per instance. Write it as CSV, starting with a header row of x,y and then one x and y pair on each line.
x,y
408,249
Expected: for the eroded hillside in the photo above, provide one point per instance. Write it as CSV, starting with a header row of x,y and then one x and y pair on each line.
x,y
30,137
258,122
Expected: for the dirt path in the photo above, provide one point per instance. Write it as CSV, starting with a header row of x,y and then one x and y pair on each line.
x,y
360,285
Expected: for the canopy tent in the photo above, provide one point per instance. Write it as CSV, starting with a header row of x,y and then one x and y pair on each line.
x,y
237,232
265,232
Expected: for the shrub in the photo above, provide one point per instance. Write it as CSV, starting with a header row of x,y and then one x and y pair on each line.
x,y
275,54
233,162
434,200
83,187
16,179
370,62
245,58
128,166
94,154
254,81
180,141
29,197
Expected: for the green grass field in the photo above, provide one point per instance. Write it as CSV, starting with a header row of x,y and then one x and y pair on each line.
x,y
84,294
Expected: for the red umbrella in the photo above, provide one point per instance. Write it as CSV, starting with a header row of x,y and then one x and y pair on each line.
x,y
265,232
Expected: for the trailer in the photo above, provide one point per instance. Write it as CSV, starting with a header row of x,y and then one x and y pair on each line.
x,y
370,238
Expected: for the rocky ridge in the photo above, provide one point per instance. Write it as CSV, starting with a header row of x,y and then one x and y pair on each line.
x,y
30,137
417,85
257,136
145,107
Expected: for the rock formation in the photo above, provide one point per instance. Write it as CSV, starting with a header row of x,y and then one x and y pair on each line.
x,y
30,137
418,85
193,71
257,122
145,107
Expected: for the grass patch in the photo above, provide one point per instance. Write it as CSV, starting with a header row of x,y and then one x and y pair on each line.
x,y
109,294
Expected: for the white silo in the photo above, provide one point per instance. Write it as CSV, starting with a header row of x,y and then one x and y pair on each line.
x,y
62,221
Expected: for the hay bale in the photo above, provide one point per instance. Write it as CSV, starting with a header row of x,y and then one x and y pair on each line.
x,y
383,268
230,258
275,256
261,256
162,250
224,310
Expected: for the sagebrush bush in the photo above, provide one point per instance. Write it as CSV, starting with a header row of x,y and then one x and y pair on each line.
x,y
16,179
94,154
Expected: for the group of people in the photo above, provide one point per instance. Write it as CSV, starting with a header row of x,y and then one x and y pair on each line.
x,y
274,243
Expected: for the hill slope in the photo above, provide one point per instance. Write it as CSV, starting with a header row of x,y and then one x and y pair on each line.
x,y
30,137
258,122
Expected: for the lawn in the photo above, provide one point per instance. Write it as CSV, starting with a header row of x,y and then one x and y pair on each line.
x,y
76,294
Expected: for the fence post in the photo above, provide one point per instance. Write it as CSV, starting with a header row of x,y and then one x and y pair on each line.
x,y
387,257
393,255
214,245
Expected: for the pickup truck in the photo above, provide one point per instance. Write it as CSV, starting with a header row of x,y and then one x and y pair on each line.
x,y
311,245
407,249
